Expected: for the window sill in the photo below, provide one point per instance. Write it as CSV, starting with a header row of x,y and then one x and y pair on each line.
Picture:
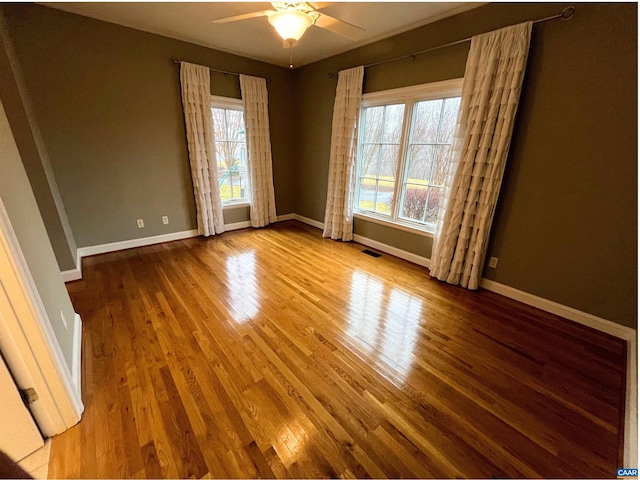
x,y
405,227
230,206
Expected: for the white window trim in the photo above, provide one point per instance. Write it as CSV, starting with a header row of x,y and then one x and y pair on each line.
x,y
408,96
230,103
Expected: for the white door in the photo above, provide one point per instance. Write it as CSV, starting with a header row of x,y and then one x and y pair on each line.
x,y
19,435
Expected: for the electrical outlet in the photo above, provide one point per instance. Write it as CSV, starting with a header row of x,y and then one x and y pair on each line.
x,y
64,320
165,220
493,262
140,223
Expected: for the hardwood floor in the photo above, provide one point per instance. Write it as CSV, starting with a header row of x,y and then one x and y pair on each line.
x,y
276,353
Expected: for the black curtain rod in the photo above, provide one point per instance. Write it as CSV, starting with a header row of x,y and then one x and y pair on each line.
x,y
226,72
566,14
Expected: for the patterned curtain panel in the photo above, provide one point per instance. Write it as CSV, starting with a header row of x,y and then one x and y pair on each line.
x,y
490,93
255,101
338,216
196,103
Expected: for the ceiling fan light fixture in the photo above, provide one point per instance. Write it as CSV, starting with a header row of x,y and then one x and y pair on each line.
x,y
290,24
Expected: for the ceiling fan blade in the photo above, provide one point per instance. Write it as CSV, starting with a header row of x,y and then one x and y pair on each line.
x,y
338,26
245,16
320,5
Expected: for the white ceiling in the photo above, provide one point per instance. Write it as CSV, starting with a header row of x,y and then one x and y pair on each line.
x,y
255,38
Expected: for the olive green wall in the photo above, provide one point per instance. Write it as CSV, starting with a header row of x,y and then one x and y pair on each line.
x,y
107,101
410,242
565,227
26,221
33,153
236,215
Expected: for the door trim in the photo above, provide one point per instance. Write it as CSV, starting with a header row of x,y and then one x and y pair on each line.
x,y
28,342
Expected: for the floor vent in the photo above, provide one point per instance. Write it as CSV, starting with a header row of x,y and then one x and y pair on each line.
x,y
373,254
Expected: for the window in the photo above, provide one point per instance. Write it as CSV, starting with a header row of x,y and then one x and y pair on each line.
x,y
403,145
231,149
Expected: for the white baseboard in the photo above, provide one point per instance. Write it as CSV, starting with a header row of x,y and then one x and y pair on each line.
x,y
396,252
76,273
228,227
76,370
383,247
308,221
71,275
136,242
288,216
550,306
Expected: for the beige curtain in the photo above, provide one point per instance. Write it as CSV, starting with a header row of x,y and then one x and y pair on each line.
x,y
338,215
196,103
490,93
256,120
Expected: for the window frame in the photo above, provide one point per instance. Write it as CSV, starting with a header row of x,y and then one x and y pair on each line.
x,y
408,96
230,103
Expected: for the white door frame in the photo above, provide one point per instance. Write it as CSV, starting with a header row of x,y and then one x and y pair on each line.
x,y
28,343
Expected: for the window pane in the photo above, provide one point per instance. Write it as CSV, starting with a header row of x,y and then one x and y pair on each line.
x,y
231,153
392,128
378,157
420,162
384,197
219,131
235,125
433,205
441,164
242,184
224,183
367,193
426,121
449,117
428,137
234,152
369,165
428,158
414,202
388,162
373,124
222,155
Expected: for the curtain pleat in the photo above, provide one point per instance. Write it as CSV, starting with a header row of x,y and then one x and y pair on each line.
x,y
338,216
256,120
490,94
196,104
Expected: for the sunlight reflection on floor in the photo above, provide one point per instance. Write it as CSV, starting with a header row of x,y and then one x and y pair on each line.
x,y
243,286
384,322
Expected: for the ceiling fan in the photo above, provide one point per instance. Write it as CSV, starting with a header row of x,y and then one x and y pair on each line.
x,y
291,20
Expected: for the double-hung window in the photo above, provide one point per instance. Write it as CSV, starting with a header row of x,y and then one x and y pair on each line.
x,y
403,145
231,149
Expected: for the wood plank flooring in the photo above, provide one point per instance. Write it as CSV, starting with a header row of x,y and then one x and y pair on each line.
x,y
276,353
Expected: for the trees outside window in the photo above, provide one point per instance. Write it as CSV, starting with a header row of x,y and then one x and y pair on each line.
x,y
231,149
403,146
